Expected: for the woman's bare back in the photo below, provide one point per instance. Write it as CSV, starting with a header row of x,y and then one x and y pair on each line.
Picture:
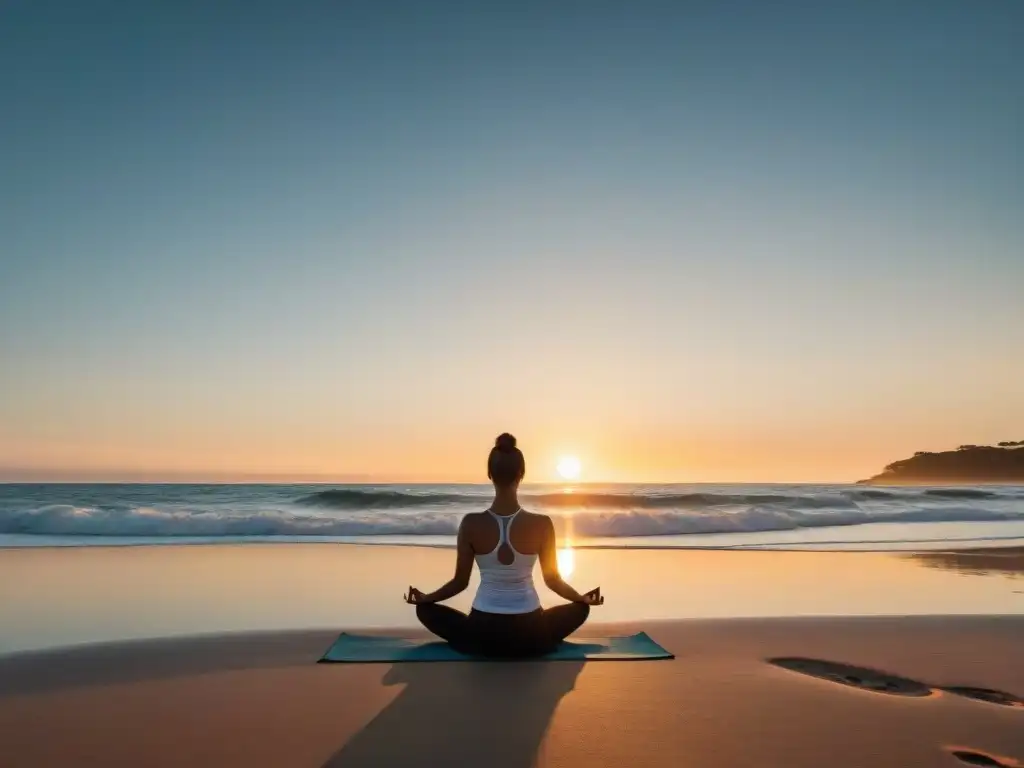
x,y
527,533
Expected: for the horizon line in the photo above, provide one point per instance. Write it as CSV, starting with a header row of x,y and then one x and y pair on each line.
x,y
379,481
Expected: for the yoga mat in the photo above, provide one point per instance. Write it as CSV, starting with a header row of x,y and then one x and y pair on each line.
x,y
363,649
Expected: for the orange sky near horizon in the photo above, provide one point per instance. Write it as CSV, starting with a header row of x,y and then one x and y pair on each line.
x,y
610,456
714,415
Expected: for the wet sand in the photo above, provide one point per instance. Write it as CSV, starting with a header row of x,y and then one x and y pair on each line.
x,y
58,597
259,699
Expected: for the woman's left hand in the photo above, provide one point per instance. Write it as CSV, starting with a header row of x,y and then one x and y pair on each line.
x,y
414,597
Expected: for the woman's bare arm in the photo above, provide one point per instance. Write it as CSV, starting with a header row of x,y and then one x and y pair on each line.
x,y
458,582
549,568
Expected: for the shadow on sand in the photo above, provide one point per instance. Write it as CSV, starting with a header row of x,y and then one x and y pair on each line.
x,y
486,713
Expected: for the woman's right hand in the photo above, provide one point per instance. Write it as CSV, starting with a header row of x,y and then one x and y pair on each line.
x,y
593,597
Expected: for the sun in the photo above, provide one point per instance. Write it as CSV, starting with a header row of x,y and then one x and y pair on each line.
x,y
569,468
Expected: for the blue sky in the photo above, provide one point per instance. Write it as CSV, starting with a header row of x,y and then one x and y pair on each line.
x,y
684,240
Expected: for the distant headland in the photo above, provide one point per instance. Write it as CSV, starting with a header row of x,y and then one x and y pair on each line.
x,y
967,465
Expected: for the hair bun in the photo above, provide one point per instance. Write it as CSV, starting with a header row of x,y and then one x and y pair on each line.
x,y
505,442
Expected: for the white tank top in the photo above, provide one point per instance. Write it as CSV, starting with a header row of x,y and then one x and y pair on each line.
x,y
506,588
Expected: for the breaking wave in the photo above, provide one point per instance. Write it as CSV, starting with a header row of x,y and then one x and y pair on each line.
x,y
350,498
727,517
356,499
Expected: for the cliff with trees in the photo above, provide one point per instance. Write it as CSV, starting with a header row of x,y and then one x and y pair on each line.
x,y
967,465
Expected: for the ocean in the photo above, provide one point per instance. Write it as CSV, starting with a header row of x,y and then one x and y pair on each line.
x,y
849,517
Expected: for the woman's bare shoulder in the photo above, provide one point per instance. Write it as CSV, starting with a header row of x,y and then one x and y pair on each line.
x,y
536,518
475,520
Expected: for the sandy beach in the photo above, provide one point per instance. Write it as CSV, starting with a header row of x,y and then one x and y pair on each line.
x,y
228,674
261,700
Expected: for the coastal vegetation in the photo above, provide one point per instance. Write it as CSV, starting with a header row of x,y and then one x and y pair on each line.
x,y
968,464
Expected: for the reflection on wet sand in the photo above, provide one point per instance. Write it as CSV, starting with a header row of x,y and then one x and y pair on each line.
x,y
978,562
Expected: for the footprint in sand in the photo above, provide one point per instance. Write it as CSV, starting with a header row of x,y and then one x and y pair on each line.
x,y
983,759
883,682
986,694
857,677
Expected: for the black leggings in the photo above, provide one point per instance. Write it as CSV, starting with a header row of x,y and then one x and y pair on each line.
x,y
503,634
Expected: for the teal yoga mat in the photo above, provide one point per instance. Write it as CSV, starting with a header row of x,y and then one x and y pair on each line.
x,y
365,649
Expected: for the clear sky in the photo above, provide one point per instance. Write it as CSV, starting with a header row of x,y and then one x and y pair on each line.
x,y
684,241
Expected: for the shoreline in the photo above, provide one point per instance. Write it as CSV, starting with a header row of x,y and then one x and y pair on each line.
x,y
1017,543
1015,548
673,541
